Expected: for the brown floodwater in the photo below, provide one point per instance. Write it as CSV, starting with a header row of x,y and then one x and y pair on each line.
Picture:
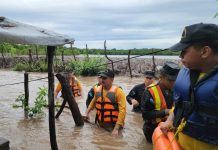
x,y
33,134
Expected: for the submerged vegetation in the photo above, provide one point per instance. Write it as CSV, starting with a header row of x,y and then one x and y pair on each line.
x,y
39,104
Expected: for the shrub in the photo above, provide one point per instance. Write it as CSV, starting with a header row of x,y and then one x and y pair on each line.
x,y
39,104
39,66
87,67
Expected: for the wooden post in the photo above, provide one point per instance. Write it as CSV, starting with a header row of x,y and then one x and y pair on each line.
x,y
30,56
37,55
71,47
62,56
130,70
46,55
68,96
153,60
61,108
26,89
3,59
56,60
87,53
105,52
52,131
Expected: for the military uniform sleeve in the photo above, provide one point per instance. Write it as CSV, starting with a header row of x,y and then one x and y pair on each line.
x,y
90,96
121,100
131,95
92,104
148,108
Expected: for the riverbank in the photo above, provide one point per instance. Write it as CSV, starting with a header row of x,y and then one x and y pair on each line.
x,y
138,65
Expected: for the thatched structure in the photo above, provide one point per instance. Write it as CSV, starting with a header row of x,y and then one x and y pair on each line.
x,y
19,33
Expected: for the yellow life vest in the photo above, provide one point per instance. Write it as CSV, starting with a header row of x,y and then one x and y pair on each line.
x,y
75,88
159,100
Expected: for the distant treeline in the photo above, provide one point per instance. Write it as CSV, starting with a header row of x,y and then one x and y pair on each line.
x,y
15,49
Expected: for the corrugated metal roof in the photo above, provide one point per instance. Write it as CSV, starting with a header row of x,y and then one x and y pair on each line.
x,y
20,33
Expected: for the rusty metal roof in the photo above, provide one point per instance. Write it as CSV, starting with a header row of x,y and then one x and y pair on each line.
x,y
20,33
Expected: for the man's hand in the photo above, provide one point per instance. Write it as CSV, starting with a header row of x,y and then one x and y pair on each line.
x,y
167,111
166,126
135,103
115,131
86,117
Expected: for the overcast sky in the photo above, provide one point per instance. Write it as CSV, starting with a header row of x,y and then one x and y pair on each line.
x,y
125,24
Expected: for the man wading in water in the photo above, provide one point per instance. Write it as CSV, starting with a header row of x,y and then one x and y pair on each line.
x,y
110,103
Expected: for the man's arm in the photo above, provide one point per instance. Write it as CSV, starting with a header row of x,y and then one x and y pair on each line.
x,y
80,87
167,124
148,107
130,96
90,96
57,90
121,100
89,109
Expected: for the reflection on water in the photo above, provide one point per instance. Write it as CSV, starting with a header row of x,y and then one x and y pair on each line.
x,y
33,134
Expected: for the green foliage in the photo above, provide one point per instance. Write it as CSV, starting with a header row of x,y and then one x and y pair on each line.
x,y
39,104
83,67
39,66
24,50
87,67
20,100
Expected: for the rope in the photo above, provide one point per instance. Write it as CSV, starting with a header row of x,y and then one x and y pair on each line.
x,y
22,82
130,58
93,67
179,129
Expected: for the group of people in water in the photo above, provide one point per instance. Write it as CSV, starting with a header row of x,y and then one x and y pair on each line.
x,y
184,98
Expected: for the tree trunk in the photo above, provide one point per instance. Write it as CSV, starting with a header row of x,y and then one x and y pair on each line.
x,y
68,96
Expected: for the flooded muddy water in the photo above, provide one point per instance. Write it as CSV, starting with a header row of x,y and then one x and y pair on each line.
x,y
33,134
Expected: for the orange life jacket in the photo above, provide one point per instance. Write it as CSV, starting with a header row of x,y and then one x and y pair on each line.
x,y
159,100
107,107
75,89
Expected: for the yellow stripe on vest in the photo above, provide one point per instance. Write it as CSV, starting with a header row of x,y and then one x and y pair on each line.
x,y
157,98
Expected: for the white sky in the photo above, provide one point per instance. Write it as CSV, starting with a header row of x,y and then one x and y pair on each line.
x,y
125,24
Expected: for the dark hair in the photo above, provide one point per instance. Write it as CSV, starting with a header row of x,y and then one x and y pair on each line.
x,y
212,45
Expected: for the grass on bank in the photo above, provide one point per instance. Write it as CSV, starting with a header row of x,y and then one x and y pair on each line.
x,y
18,49
85,67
